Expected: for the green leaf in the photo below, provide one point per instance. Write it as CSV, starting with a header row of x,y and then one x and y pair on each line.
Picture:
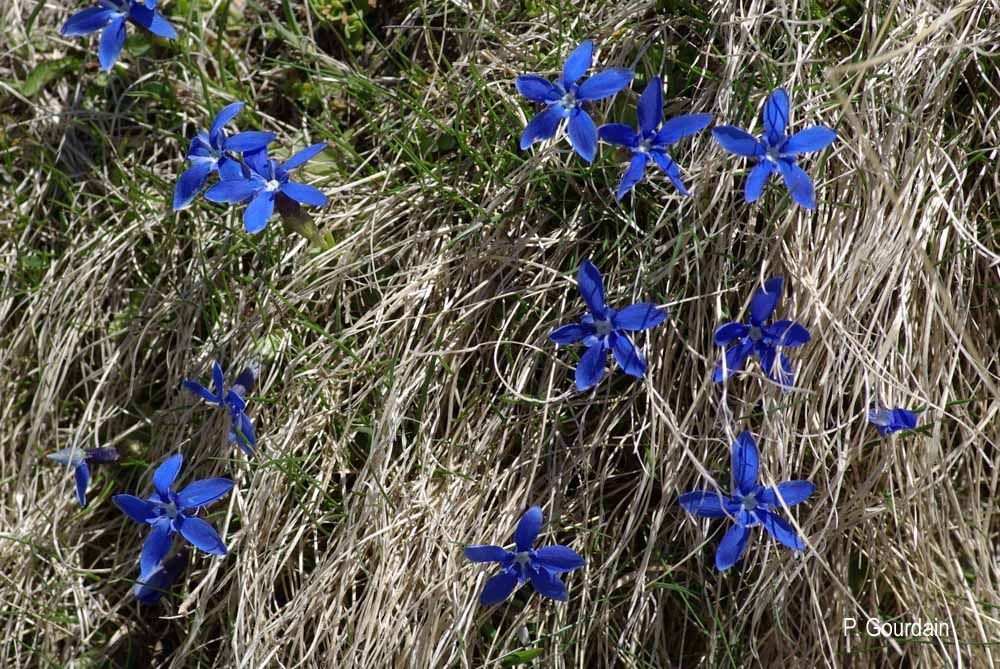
x,y
520,657
46,73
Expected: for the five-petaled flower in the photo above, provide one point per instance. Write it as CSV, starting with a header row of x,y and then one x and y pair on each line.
x,y
167,512
650,140
604,328
241,431
154,583
887,421
565,99
267,180
750,504
761,338
213,151
110,19
775,151
77,458
542,567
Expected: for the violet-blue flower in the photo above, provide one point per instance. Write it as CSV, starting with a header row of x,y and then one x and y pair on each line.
x,y
775,151
604,328
650,141
154,583
887,421
213,151
760,337
750,504
234,401
542,567
564,100
168,512
78,458
267,179
110,18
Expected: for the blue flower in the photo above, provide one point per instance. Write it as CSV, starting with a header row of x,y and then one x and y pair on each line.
x,y
110,19
603,328
154,583
77,458
267,179
167,512
776,152
750,504
241,431
887,421
761,338
213,151
542,567
650,141
564,100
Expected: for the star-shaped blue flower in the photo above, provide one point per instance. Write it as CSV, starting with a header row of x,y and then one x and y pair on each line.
x,y
78,458
760,337
168,512
267,179
153,584
775,151
110,19
241,431
542,567
564,100
603,328
887,421
750,504
650,140
213,151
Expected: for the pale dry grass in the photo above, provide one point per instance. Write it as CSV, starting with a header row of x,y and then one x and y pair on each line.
x,y
411,402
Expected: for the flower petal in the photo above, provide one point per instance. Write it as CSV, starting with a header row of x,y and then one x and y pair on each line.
x,y
542,126
765,299
304,194
527,528
139,510
891,420
486,553
88,21
497,589
649,110
577,63
638,317
249,140
618,134
201,391
153,21
81,475
788,333
559,559
727,332
548,584
591,284
583,135
779,528
590,369
734,541
745,463
304,156
151,587
605,83
190,183
157,543
568,334
704,503
627,354
682,126
201,493
200,534
809,140
732,360
232,191
778,367
633,175
758,178
737,141
668,165
536,88
165,474
242,433
258,212
232,170
225,115
112,40
791,492
798,183
776,116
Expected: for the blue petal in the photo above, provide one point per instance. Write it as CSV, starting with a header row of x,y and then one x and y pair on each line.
x,y
798,184
150,587
745,463
225,115
732,361
776,116
542,126
779,528
232,191
583,135
704,503
498,589
778,367
304,156
165,474
591,285
810,139
577,63
200,534
258,212
247,379
112,40
619,134
667,164
788,333
536,88
102,454
727,332
139,510
603,84
734,541
157,543
259,163
548,584
590,370
88,21
680,127
152,21
71,456
190,183
201,493
202,392
737,141
638,317
791,492
249,140
486,553
218,379
765,300
242,433
567,334
633,175
230,169
527,528
649,110
559,559
627,354
758,178
304,194
82,478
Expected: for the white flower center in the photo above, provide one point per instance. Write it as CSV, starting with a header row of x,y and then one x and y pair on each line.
x,y
603,328
522,558
644,145
170,508
749,503
772,153
568,101
272,186
755,334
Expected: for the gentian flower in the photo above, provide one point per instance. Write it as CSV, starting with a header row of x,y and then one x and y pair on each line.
x,y
565,98
153,584
542,567
241,431
268,178
77,458
761,338
650,140
603,328
212,152
750,504
776,152
110,19
887,421
167,512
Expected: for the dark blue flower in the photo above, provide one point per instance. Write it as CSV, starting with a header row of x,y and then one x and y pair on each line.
x,y
110,19
168,512
241,431
77,458
267,178
887,421
564,100
750,504
775,151
650,140
153,584
603,328
542,567
213,151
760,337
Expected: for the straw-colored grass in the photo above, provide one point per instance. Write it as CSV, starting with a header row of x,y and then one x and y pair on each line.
x,y
410,401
